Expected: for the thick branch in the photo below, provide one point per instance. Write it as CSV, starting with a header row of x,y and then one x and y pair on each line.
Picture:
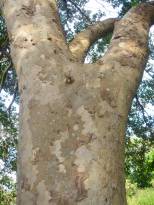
x,y
130,38
124,62
31,25
81,43
24,12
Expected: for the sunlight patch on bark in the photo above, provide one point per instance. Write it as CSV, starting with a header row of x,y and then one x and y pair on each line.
x,y
131,47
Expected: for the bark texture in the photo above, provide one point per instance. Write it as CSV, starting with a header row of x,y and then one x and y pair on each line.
x,y
73,116
82,42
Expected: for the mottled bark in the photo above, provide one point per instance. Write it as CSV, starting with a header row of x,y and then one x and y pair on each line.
x,y
73,116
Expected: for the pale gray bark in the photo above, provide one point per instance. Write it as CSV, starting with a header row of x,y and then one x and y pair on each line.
x,y
73,116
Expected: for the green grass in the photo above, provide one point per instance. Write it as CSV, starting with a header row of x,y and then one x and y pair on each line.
x,y
142,197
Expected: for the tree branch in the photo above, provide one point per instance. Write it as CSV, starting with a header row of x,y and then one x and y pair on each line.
x,y
150,72
14,97
82,41
141,107
4,74
129,44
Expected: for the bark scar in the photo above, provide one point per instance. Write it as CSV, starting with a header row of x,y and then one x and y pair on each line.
x,y
79,183
28,10
69,79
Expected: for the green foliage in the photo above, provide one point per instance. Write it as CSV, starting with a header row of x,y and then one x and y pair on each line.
x,y
139,161
150,157
74,16
3,31
71,14
8,121
131,188
142,197
7,197
98,49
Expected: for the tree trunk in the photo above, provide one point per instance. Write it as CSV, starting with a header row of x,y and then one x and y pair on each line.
x,y
73,116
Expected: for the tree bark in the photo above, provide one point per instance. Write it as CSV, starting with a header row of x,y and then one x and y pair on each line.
x,y
82,41
73,116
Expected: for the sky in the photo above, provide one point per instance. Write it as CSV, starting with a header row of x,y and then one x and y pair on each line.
x,y
95,5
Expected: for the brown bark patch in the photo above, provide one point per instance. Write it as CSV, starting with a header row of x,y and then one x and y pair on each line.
x,y
28,10
108,97
25,184
85,139
69,79
82,193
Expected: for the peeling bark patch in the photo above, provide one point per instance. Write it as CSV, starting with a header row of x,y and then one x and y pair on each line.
x,y
82,193
62,168
57,146
89,126
35,156
25,184
107,96
28,10
57,150
83,162
22,37
85,139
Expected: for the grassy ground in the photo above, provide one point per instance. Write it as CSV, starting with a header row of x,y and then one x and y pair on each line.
x,y
142,197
